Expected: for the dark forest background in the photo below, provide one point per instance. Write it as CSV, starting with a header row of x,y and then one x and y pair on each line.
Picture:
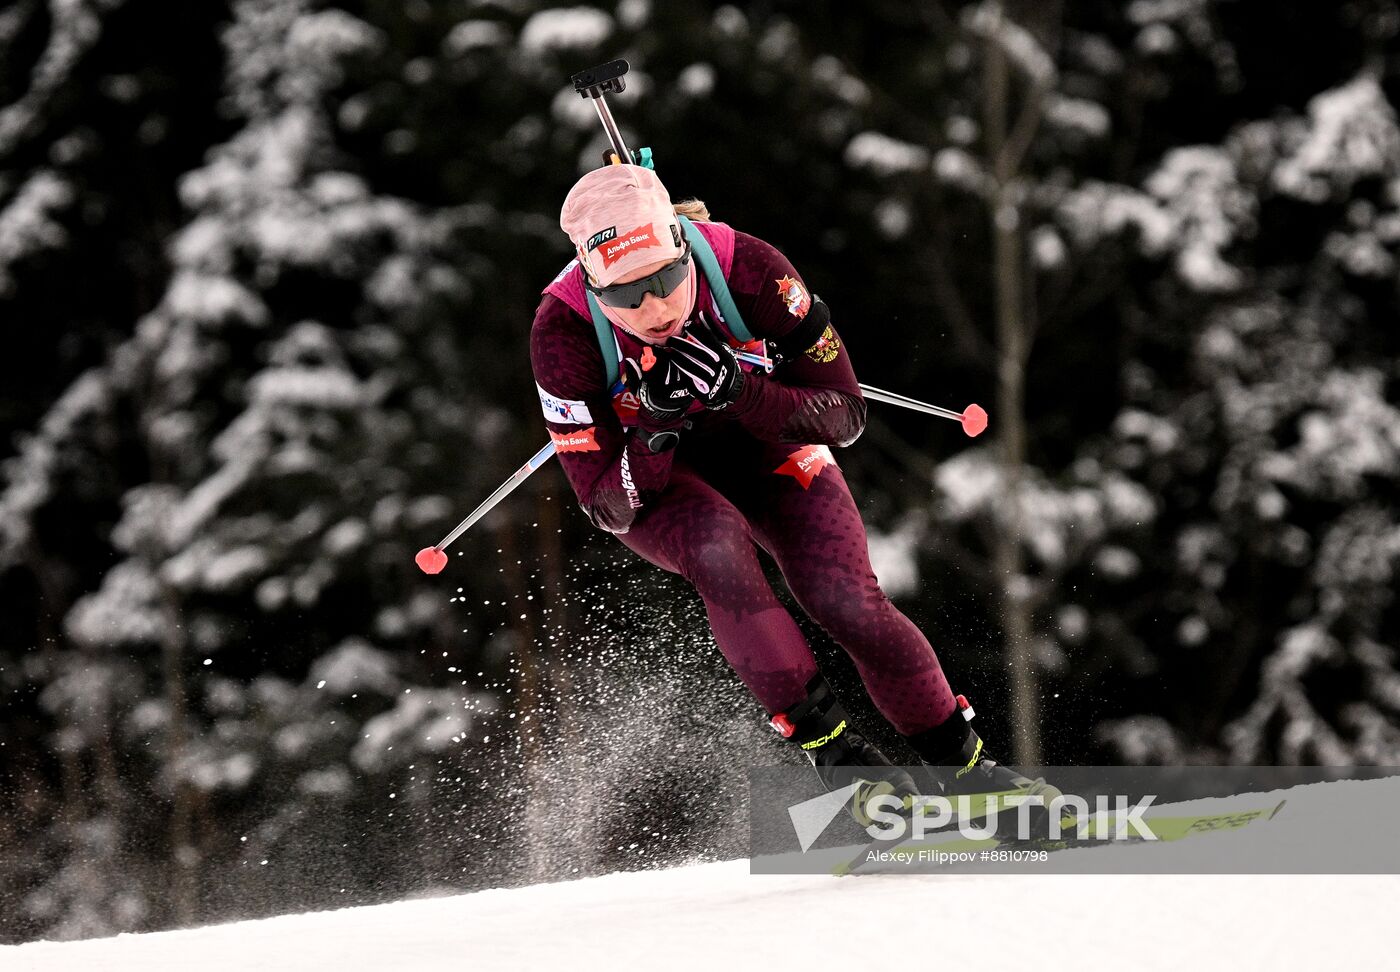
x,y
267,271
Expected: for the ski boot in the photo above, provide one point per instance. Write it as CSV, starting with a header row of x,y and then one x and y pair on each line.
x,y
840,754
959,764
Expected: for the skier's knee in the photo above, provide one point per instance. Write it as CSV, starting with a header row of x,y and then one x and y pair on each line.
x,y
844,614
718,556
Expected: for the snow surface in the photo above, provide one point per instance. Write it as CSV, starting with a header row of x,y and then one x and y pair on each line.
x,y
718,915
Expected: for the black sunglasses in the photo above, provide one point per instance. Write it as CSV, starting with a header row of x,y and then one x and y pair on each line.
x,y
661,283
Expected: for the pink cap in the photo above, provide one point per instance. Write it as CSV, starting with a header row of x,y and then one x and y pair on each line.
x,y
620,219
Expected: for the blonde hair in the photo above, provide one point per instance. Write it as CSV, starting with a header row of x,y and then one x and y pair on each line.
x,y
692,209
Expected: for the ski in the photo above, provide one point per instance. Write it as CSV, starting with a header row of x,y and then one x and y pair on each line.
x,y
1167,829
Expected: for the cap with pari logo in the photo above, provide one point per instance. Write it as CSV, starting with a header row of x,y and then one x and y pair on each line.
x,y
620,219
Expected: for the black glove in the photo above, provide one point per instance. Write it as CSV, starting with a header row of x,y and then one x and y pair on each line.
x,y
660,387
707,364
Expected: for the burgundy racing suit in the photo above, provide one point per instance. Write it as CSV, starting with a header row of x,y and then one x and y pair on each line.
x,y
756,473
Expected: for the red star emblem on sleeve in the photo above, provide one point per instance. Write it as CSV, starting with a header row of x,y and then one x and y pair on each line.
x,y
806,464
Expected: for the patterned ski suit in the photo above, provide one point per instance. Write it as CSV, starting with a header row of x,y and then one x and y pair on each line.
x,y
757,473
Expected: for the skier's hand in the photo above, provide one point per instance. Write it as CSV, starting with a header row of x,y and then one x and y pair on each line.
x,y
662,390
708,366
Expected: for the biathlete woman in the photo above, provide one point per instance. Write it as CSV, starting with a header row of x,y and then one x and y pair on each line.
x,y
700,459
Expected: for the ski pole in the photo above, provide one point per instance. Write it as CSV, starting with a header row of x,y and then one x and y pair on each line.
x,y
973,419
431,560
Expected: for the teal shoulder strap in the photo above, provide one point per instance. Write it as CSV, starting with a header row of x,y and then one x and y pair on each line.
x,y
719,287
606,342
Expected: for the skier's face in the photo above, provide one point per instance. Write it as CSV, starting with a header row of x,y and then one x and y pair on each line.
x,y
658,318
